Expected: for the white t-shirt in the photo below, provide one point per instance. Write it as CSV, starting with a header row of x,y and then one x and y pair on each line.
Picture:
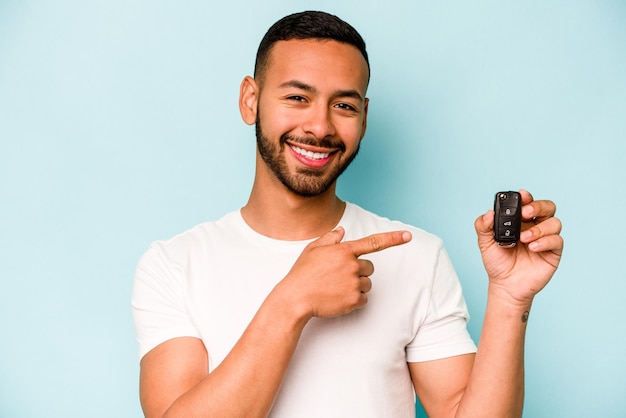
x,y
209,282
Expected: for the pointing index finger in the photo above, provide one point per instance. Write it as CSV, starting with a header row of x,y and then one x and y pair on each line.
x,y
378,242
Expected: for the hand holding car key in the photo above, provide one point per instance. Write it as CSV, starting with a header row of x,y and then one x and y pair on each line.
x,y
518,272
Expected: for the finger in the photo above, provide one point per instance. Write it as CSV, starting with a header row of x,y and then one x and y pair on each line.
x,y
378,242
551,226
365,284
552,243
527,197
539,210
332,237
362,301
366,267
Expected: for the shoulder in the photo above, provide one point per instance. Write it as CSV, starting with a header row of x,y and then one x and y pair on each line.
x,y
179,247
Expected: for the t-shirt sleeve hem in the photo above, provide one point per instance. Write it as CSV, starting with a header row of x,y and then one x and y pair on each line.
x,y
439,352
146,346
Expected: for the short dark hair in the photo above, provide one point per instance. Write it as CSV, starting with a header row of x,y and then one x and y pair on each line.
x,y
307,25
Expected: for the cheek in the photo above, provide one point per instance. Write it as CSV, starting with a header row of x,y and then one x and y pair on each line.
x,y
351,132
277,123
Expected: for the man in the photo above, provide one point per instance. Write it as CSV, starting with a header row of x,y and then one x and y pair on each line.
x,y
302,305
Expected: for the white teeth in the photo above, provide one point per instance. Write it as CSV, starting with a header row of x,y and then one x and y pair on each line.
x,y
310,154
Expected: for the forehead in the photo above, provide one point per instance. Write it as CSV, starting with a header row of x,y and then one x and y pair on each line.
x,y
317,62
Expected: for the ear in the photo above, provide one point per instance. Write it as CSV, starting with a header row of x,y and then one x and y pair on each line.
x,y
364,123
248,100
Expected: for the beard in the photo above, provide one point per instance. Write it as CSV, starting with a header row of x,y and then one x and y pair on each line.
x,y
304,182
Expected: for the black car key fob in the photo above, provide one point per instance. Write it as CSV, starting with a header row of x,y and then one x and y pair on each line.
x,y
508,219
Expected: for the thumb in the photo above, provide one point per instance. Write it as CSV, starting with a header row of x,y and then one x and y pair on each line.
x,y
484,227
332,237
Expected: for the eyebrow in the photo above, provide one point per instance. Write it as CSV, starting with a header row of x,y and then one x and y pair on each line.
x,y
308,88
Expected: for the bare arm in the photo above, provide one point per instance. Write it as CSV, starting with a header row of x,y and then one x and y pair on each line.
x,y
440,384
495,385
488,384
174,377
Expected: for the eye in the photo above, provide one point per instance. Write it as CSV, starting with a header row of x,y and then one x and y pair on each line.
x,y
296,98
346,106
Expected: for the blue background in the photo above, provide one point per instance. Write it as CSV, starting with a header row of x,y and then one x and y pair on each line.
x,y
119,126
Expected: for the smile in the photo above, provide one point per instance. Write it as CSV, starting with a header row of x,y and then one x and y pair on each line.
x,y
310,154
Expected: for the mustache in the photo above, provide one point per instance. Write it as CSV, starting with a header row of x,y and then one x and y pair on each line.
x,y
324,143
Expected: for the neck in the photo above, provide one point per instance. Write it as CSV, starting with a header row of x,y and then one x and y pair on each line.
x,y
280,214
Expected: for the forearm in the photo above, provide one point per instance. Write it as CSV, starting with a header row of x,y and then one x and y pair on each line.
x,y
496,384
248,379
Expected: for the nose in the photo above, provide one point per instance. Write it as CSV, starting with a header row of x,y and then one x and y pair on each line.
x,y
318,122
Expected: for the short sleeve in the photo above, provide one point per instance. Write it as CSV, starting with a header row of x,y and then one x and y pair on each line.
x,y
443,332
158,302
